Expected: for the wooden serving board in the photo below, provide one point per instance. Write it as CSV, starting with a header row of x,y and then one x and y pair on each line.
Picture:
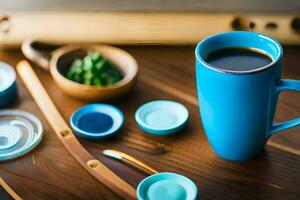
x,y
166,72
139,28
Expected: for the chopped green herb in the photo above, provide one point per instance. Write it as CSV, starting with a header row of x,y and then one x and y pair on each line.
x,y
93,70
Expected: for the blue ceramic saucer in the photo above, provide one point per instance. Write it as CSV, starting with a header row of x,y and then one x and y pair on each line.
x,y
20,132
166,185
96,121
8,87
161,117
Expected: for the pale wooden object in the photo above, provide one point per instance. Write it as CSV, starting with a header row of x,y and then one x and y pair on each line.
x,y
10,191
137,28
65,135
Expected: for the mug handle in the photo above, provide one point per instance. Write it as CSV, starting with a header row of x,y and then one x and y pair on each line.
x,y
286,85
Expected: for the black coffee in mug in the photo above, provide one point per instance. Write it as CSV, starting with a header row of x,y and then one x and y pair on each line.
x,y
238,59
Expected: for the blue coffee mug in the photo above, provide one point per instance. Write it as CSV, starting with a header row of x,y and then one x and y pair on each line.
x,y
237,107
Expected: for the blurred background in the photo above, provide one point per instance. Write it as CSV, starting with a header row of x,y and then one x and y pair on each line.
x,y
142,21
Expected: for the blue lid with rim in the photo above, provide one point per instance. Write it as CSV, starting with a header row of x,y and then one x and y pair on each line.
x,y
8,88
161,117
20,132
97,121
167,185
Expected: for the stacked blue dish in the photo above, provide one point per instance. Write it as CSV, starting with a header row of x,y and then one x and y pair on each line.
x,y
20,132
8,87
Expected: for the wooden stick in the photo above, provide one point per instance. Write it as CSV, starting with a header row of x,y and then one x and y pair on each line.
x,y
137,28
65,135
124,157
10,191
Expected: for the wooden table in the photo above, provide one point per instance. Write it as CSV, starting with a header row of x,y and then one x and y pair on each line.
x,y
166,72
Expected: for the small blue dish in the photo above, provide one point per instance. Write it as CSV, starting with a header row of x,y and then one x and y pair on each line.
x,y
161,117
8,86
167,185
96,121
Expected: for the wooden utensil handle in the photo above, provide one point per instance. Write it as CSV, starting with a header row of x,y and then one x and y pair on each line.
x,y
8,189
65,135
38,52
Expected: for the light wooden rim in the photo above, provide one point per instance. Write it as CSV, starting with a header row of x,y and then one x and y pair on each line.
x,y
9,190
130,71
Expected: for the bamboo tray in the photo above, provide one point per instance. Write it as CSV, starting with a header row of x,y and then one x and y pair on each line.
x,y
139,28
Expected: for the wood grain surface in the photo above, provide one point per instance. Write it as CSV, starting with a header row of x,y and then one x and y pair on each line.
x,y
166,72
141,28
232,6
6,193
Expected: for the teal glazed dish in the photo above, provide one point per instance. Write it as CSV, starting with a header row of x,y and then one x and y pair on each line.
x,y
8,86
167,185
97,121
161,117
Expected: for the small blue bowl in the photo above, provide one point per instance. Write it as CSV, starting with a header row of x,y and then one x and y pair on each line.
x,y
8,86
167,185
161,117
97,121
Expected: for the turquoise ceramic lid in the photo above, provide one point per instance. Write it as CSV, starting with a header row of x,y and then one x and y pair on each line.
x,y
161,117
8,90
20,132
166,185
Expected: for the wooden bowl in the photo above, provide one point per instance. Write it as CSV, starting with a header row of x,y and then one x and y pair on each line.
x,y
62,58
